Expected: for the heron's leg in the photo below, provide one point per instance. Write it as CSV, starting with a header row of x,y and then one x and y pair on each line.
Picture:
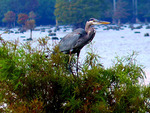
x,y
77,62
70,55
70,70
70,58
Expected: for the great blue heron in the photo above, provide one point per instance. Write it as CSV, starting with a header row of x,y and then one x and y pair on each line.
x,y
76,40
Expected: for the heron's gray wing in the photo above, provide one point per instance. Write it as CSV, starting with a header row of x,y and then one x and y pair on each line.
x,y
80,31
70,40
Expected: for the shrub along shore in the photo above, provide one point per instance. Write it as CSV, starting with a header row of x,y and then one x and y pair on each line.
x,y
38,80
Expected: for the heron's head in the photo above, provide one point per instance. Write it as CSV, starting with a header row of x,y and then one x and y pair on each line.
x,y
94,21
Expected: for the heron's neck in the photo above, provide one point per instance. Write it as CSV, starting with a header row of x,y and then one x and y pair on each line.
x,y
87,26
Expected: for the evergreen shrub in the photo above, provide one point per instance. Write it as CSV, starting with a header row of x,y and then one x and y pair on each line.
x,y
37,80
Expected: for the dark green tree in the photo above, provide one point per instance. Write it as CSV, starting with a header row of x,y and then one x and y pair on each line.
x,y
77,12
9,18
144,9
45,12
30,5
23,6
4,7
17,6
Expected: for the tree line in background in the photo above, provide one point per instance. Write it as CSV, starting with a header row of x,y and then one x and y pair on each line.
x,y
116,11
75,12
42,8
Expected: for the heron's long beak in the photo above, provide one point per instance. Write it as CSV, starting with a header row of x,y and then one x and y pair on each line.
x,y
104,22
100,22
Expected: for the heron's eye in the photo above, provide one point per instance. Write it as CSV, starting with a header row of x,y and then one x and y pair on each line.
x,y
91,19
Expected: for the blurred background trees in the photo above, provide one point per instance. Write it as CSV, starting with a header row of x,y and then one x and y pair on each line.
x,y
45,12
43,9
76,12
121,11
32,15
144,10
22,18
30,24
9,18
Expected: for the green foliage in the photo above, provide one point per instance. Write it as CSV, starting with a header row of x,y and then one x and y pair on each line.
x,y
9,17
45,11
144,9
30,24
22,18
4,7
77,12
37,80
32,15
42,8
